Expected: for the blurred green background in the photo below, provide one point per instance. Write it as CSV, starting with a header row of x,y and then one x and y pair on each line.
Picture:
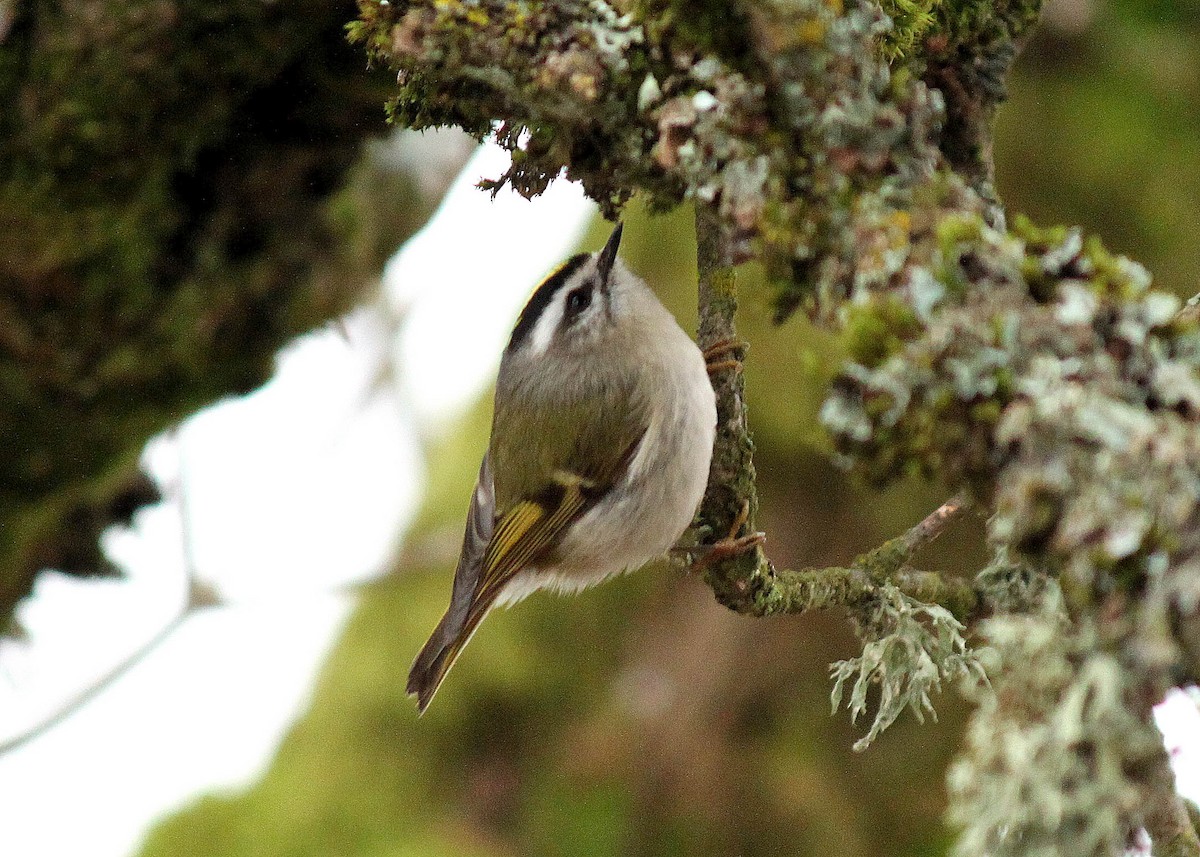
x,y
640,717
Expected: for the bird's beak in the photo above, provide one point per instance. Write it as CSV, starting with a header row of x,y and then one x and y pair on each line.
x,y
609,254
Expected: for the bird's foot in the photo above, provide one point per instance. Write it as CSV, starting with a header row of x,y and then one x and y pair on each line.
x,y
724,355
703,556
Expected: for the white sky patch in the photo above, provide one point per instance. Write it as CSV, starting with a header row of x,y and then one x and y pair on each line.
x,y
306,482
206,710
473,267
291,491
1178,718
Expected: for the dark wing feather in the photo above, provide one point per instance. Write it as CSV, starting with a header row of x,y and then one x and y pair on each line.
x,y
436,656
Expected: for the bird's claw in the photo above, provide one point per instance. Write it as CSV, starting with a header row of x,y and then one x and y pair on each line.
x,y
730,350
732,545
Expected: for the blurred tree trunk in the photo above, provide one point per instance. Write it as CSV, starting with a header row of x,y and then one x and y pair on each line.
x,y
178,198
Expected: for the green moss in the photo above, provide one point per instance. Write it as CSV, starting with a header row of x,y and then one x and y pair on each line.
x,y
931,28
876,330
957,229
1113,275
1038,238
986,21
912,21
711,27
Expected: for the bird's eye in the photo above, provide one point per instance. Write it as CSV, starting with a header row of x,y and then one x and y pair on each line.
x,y
578,300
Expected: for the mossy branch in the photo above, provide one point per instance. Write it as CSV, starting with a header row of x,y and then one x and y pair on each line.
x,y
859,583
730,505
747,582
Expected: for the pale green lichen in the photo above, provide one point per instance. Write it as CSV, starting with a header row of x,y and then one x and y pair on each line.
x,y
910,649
1052,381
1046,765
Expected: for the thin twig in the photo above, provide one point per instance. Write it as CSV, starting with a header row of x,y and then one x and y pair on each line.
x,y
934,523
888,564
94,688
198,597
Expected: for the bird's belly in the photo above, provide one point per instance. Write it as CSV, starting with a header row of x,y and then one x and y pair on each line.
x,y
646,513
623,531
656,501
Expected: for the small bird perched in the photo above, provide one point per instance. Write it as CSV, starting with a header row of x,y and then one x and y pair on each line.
x,y
602,435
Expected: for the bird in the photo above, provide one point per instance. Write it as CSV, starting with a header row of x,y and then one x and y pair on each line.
x,y
602,435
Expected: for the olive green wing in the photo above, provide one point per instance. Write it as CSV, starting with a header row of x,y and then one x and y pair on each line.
x,y
515,540
530,529
553,463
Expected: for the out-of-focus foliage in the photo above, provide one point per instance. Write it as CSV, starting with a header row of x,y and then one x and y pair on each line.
x,y
641,719
1100,130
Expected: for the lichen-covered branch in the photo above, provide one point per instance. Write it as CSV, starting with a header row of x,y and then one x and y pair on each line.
x,y
798,591
855,586
747,582
732,495
774,123
1051,755
1058,388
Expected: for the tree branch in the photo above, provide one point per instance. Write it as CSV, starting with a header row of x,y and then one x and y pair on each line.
x,y
747,582
820,588
1167,818
732,494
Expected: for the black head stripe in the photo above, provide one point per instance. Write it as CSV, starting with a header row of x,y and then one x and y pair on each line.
x,y
542,297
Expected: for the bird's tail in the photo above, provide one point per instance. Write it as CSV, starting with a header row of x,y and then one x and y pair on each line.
x,y
436,657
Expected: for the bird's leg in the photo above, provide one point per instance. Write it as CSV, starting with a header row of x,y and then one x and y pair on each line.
x,y
730,350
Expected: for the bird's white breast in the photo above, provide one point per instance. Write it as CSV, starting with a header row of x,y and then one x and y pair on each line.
x,y
656,499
